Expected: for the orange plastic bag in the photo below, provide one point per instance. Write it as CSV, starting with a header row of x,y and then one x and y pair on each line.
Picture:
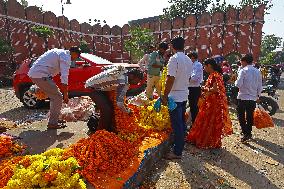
x,y
262,119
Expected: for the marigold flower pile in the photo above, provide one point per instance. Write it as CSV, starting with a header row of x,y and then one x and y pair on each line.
x,y
103,152
7,168
8,146
150,119
103,155
46,170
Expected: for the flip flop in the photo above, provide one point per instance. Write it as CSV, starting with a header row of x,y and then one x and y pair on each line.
x,y
56,127
61,121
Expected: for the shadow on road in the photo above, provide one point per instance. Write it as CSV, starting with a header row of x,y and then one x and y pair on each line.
x,y
274,151
39,141
21,114
195,169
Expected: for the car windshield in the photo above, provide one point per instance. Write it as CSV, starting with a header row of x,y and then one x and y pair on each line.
x,y
94,59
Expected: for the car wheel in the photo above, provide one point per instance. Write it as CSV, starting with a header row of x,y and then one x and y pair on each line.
x,y
30,101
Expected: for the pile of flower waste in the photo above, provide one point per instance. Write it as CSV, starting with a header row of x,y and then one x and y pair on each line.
x,y
9,146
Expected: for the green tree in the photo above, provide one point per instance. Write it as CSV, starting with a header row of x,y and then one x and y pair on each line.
x,y
256,3
138,43
24,3
84,47
5,47
269,44
43,32
268,59
182,8
220,6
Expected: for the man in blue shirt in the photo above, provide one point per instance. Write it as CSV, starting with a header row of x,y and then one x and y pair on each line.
x,y
156,63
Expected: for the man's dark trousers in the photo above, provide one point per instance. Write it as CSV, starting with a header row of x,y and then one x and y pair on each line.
x,y
194,94
245,114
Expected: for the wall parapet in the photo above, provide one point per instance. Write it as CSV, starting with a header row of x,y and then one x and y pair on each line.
x,y
210,34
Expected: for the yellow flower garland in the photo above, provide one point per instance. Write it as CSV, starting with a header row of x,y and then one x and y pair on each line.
x,y
150,119
163,79
46,170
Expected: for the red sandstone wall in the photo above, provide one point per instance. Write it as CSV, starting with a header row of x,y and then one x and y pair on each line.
x,y
216,34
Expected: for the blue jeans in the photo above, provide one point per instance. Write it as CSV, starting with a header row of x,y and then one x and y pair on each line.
x,y
179,127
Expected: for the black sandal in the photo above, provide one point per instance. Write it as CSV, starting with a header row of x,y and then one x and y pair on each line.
x,y
56,127
61,121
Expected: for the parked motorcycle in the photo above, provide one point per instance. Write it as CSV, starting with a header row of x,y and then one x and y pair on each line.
x,y
269,103
273,77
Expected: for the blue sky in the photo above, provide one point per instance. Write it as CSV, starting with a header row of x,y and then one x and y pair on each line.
x,y
120,12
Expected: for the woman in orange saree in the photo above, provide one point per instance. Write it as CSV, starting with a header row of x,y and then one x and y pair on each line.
x,y
213,120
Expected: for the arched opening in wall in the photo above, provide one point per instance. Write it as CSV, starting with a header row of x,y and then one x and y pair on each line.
x,y
233,58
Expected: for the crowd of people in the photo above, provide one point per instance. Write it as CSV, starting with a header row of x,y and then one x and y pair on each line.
x,y
207,99
184,84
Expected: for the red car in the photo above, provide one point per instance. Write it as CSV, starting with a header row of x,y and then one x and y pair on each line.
x,y
81,70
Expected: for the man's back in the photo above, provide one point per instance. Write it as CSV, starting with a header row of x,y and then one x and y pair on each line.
x,y
51,63
180,66
249,83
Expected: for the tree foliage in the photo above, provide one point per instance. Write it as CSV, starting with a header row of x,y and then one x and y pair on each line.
x,y
42,31
138,43
269,44
182,8
84,47
221,6
5,47
256,3
24,3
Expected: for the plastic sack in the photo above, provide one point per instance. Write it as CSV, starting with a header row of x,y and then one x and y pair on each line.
x,y
139,100
171,104
100,80
262,119
77,109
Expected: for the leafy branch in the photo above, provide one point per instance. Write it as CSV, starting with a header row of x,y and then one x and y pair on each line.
x,y
42,31
140,40
5,47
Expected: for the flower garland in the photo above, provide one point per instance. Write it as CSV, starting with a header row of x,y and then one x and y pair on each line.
x,y
46,170
103,152
127,125
150,119
163,79
8,146
7,168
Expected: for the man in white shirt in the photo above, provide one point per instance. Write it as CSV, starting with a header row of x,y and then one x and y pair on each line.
x,y
179,71
194,85
48,65
143,63
249,83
